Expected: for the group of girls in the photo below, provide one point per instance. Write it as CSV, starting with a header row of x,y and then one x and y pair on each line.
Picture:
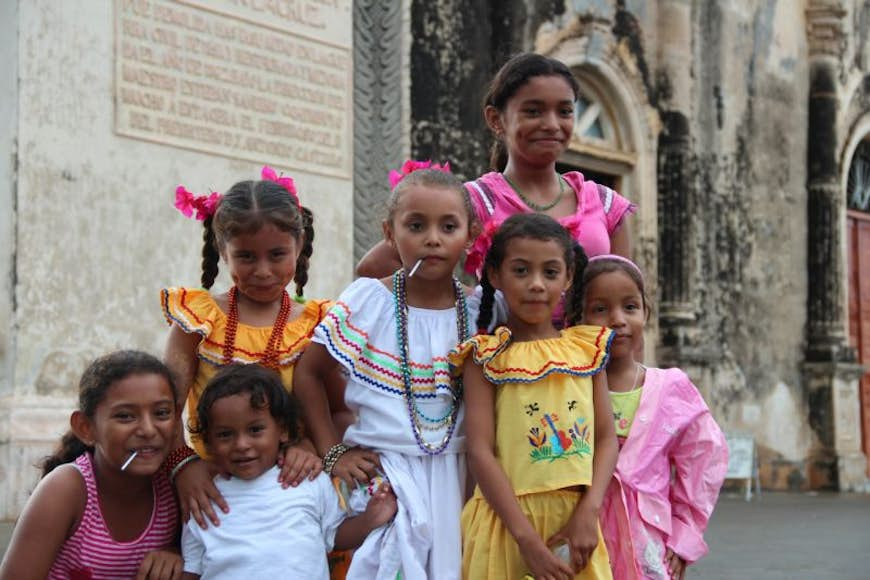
x,y
571,472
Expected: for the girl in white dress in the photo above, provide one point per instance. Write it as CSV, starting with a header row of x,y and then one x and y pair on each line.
x,y
392,337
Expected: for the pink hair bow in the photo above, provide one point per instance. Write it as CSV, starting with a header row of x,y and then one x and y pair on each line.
x,y
203,205
477,253
268,174
410,166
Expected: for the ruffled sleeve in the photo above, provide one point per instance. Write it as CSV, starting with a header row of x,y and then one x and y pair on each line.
x,y
192,309
579,351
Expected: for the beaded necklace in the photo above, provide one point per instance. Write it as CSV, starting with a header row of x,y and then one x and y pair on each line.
x,y
419,421
270,356
530,203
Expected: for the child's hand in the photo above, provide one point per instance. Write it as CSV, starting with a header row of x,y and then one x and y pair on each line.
x,y
161,565
298,462
357,465
196,492
676,565
581,534
382,506
543,564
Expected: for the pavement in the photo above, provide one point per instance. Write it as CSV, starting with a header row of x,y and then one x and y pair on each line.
x,y
776,536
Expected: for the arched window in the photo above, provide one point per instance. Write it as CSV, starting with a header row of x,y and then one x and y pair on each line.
x,y
591,121
858,181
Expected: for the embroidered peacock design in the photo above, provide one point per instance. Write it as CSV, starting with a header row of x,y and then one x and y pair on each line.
x,y
550,442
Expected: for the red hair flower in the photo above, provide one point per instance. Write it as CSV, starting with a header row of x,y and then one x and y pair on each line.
x,y
203,205
477,252
269,174
184,201
410,166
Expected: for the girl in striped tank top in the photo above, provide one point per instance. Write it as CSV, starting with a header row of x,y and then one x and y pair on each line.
x,y
102,508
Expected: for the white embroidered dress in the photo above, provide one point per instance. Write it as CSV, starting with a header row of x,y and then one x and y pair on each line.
x,y
424,540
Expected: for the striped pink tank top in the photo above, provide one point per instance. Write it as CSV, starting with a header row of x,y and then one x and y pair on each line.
x,y
91,553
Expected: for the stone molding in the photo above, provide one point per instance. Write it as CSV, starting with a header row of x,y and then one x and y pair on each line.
x,y
826,28
832,392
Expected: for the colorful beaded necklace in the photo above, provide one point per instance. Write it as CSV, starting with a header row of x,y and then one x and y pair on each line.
x,y
270,355
419,421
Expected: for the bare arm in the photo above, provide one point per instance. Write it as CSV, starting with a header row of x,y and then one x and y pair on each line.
x,y
196,489
381,508
620,240
492,480
310,382
581,531
379,262
180,356
48,520
309,386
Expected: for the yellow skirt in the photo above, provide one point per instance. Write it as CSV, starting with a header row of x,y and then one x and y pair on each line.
x,y
489,551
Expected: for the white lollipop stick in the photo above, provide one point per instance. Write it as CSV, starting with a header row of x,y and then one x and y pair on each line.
x,y
129,460
414,269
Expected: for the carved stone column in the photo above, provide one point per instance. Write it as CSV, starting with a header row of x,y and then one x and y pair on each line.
x,y
677,245
830,375
378,113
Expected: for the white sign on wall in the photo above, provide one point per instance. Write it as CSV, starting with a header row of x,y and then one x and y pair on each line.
x,y
264,82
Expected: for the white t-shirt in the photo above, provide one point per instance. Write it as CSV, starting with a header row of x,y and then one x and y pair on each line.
x,y
270,531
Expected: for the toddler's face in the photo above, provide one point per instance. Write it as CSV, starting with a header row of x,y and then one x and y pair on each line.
x,y
243,441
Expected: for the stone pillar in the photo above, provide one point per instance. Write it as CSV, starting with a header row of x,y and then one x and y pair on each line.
x,y
830,375
451,63
826,308
379,119
836,462
677,246
8,217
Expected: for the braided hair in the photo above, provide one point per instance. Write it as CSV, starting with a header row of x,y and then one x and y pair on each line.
x,y
537,227
245,208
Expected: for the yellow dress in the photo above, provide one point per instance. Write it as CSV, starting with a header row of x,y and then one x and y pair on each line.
x,y
195,310
544,440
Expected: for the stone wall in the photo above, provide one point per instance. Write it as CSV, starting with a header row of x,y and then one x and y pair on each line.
x,y
88,229
729,83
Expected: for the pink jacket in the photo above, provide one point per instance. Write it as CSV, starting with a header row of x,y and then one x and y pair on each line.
x,y
666,481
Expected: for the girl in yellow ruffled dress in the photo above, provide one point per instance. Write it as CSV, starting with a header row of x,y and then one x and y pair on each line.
x,y
263,235
541,441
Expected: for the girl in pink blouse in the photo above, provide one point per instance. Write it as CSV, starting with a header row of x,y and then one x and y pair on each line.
x,y
530,110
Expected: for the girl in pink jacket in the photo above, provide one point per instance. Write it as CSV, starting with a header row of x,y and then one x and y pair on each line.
x,y
672,454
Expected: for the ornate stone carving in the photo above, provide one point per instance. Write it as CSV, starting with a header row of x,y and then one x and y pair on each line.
x,y
826,32
377,41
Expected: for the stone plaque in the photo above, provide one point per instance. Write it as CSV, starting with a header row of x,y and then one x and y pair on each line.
x,y
261,80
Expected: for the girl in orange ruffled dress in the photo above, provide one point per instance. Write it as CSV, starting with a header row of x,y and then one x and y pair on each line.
x,y
264,236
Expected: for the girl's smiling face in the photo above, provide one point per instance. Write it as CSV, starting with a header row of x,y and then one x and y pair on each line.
x,y
262,263
537,121
137,415
612,299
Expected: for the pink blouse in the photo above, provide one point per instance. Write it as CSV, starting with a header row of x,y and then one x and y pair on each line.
x,y
600,211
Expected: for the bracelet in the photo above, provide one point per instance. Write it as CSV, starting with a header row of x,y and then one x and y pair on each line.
x,y
332,456
177,457
175,470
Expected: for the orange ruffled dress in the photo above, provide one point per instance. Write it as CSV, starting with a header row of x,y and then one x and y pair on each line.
x,y
544,440
195,310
